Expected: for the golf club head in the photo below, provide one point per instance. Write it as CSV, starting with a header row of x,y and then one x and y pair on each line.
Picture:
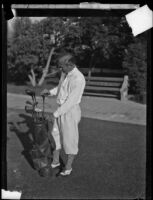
x,y
29,109
30,103
30,92
44,95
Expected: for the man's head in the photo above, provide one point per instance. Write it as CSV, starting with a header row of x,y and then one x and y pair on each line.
x,y
66,62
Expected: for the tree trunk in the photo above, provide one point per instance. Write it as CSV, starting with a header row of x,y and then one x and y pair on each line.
x,y
32,78
45,71
90,67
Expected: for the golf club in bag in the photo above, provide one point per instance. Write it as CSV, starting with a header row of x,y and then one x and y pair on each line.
x,y
44,143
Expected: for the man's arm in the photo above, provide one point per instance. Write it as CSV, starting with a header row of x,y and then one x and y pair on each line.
x,y
77,88
55,90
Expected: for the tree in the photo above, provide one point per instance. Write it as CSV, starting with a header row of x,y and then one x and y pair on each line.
x,y
135,63
95,41
98,41
29,53
19,60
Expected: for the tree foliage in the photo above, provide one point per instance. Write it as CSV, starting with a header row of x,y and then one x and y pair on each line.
x,y
104,42
135,63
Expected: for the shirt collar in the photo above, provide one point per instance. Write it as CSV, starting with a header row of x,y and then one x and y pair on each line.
x,y
72,71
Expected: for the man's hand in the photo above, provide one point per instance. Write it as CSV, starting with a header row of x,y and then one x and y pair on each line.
x,y
45,92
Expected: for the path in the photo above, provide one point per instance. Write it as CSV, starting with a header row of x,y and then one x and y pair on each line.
x,y
92,107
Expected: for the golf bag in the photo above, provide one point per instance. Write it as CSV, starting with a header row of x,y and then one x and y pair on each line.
x,y
44,143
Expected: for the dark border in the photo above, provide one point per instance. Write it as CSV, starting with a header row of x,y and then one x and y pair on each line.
x,y
4,102
60,12
149,119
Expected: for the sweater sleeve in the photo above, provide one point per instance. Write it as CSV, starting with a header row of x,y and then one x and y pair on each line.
x,y
76,89
53,92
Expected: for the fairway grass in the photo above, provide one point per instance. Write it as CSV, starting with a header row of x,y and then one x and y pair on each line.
x,y
110,163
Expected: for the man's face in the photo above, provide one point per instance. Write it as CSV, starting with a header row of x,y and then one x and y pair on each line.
x,y
64,67
64,64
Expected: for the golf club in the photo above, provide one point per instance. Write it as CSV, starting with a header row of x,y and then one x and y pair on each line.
x,y
39,114
30,93
30,103
29,109
43,142
43,96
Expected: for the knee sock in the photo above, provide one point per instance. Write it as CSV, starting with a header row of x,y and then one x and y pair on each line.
x,y
56,154
70,158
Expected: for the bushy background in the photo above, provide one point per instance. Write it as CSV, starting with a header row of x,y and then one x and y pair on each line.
x,y
100,42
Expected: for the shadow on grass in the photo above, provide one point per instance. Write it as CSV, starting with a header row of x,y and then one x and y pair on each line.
x,y
27,138
112,156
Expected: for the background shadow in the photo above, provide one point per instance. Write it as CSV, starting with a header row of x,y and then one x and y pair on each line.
x,y
26,138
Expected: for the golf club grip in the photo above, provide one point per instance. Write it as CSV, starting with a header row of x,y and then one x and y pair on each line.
x,y
43,105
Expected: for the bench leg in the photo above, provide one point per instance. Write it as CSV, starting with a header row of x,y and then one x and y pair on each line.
x,y
123,96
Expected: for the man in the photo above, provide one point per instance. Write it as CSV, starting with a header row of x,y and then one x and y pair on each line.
x,y
67,116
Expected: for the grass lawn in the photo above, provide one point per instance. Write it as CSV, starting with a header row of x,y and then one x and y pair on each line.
x,y
110,163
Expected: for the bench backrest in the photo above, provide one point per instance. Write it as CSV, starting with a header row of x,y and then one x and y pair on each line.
x,y
100,81
102,71
104,81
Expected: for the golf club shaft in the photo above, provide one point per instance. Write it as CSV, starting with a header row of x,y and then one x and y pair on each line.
x,y
43,105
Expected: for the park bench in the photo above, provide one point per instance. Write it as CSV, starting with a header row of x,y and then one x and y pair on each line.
x,y
108,85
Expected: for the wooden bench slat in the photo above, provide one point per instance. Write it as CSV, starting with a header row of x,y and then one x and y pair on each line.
x,y
112,71
102,70
86,70
94,79
102,88
99,94
109,84
99,86
111,79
